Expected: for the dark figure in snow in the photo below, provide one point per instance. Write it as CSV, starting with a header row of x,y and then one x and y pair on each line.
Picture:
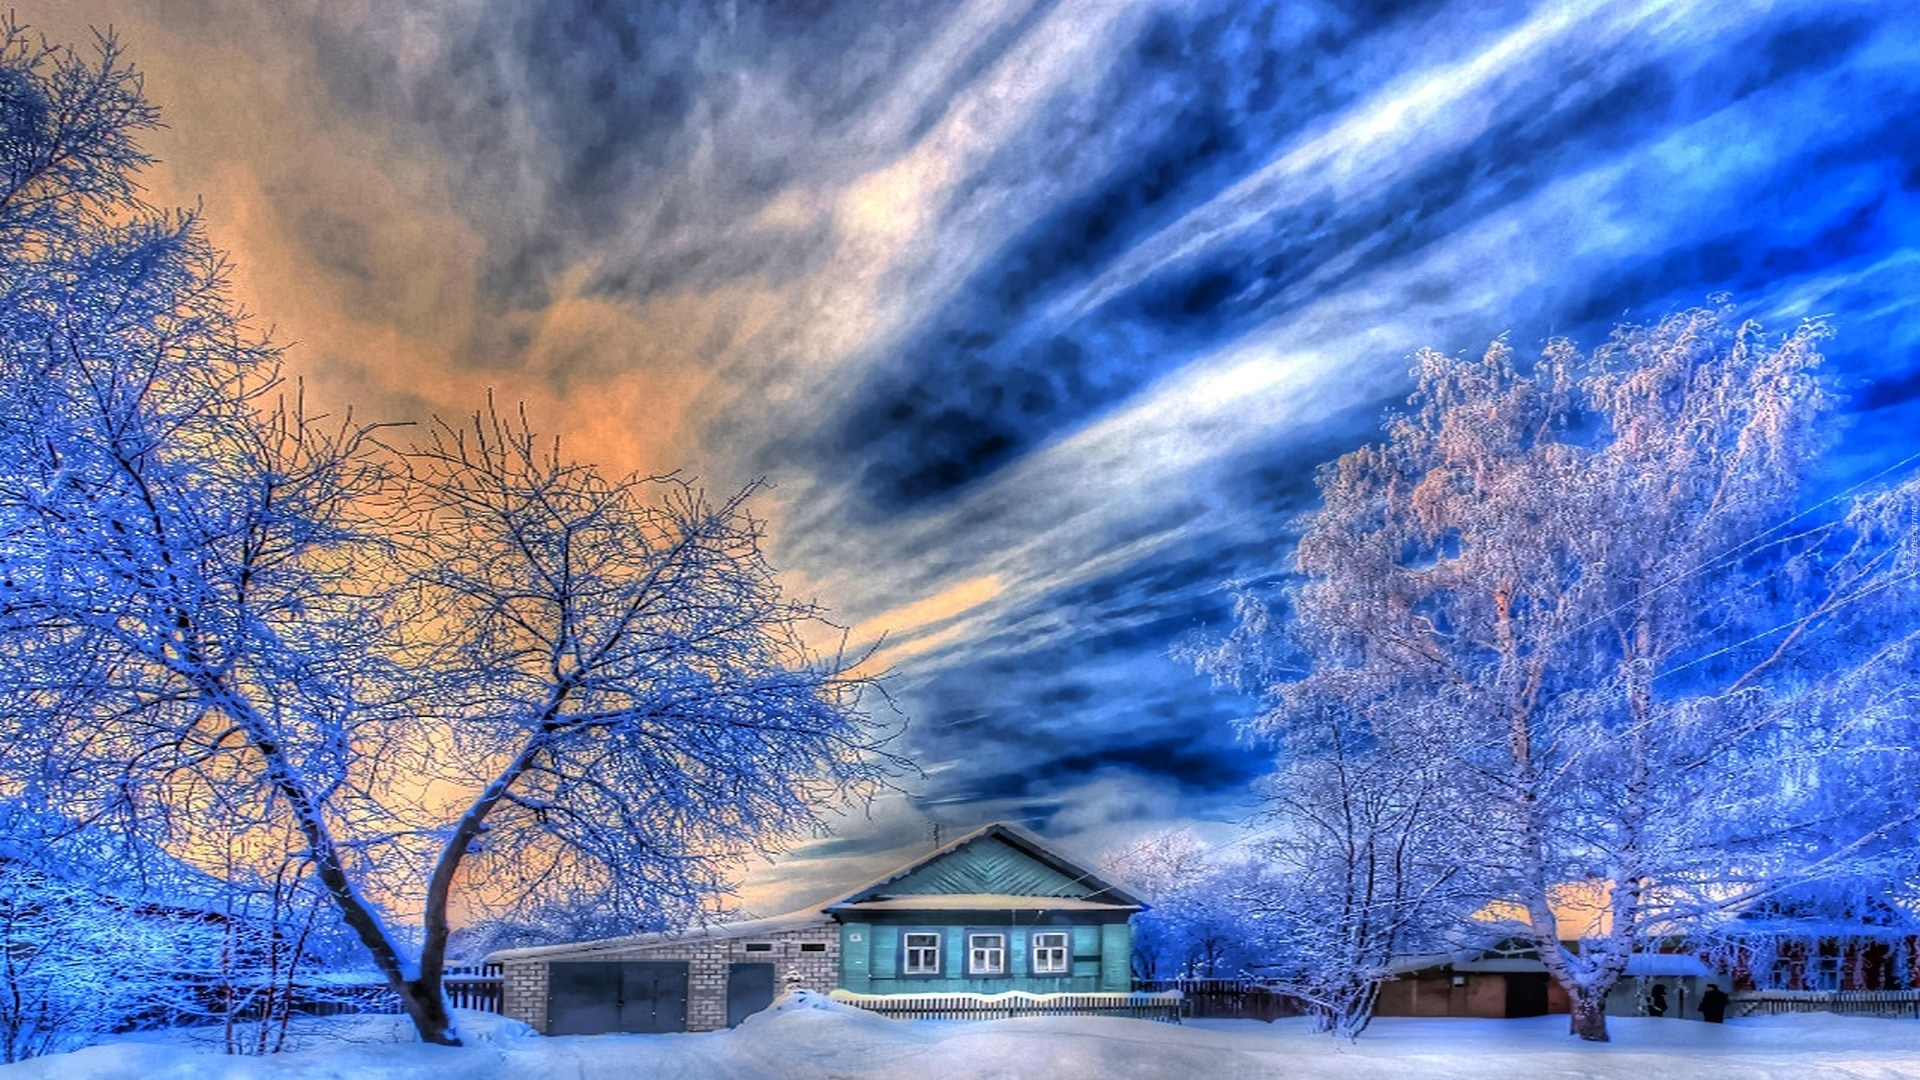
x,y
1713,1004
1657,1001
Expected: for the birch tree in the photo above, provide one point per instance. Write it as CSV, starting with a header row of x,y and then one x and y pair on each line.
x,y
1588,591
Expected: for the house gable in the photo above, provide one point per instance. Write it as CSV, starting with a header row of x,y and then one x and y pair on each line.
x,y
994,861
989,865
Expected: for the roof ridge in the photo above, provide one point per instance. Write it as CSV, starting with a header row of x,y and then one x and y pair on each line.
x,y
1023,840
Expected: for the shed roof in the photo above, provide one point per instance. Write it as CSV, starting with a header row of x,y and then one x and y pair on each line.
x,y
1639,964
724,931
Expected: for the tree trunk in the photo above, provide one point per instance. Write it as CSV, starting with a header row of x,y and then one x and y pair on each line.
x,y
1589,1019
426,1006
424,996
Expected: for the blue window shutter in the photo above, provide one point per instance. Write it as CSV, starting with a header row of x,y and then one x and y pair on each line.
x,y
886,952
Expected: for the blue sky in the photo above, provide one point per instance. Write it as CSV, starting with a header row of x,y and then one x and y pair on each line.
x,y
1037,315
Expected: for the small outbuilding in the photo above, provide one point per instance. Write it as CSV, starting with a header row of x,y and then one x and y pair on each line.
x,y
994,911
1512,981
697,979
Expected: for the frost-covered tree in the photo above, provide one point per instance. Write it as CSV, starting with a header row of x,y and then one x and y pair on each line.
x,y
1205,906
76,964
1362,864
87,947
1190,926
1588,591
1364,868
628,689
219,612
276,934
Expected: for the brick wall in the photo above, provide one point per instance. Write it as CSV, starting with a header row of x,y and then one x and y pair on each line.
x,y
523,992
524,982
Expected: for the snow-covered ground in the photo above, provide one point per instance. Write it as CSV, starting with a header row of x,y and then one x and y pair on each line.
x,y
806,1037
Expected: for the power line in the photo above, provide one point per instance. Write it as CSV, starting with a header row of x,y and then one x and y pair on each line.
x,y
1719,559
1790,623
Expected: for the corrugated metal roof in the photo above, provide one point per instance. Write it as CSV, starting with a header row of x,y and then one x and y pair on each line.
x,y
979,902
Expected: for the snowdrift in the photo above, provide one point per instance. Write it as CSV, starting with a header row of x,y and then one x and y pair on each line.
x,y
807,1036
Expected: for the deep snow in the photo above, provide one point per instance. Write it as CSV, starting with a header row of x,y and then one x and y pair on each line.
x,y
806,1037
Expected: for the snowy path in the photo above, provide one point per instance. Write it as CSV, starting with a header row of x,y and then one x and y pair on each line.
x,y
810,1039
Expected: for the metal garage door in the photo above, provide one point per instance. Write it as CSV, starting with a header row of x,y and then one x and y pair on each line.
x,y
749,989
592,999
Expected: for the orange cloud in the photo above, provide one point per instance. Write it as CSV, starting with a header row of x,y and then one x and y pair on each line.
x,y
952,601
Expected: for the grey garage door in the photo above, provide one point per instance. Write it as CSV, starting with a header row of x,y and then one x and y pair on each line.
x,y
749,989
593,999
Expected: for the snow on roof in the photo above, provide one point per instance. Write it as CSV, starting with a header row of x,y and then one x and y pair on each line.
x,y
1784,926
1639,965
1499,964
1670,965
109,863
980,902
1412,962
794,920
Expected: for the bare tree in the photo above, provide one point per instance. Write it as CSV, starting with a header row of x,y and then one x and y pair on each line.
x,y
221,612
632,693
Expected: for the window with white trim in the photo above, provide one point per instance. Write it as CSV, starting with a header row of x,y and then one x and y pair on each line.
x,y
986,954
920,954
1050,956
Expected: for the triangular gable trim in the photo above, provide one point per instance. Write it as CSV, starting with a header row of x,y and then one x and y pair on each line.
x,y
1019,839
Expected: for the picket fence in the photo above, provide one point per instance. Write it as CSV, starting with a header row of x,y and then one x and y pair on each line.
x,y
1165,1007
1228,999
1891,1004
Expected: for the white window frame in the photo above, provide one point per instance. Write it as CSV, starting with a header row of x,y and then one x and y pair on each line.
x,y
1052,959
909,951
986,959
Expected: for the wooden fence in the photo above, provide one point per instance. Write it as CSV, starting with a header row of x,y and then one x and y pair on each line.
x,y
476,988
1227,999
1892,1004
1168,1007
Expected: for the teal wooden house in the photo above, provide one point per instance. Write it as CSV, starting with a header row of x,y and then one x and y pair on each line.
x,y
995,910
948,935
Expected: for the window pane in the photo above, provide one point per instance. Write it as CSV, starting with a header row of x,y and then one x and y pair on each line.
x,y
922,954
1050,954
986,954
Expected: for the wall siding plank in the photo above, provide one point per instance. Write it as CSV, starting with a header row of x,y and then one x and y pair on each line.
x,y
1116,957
